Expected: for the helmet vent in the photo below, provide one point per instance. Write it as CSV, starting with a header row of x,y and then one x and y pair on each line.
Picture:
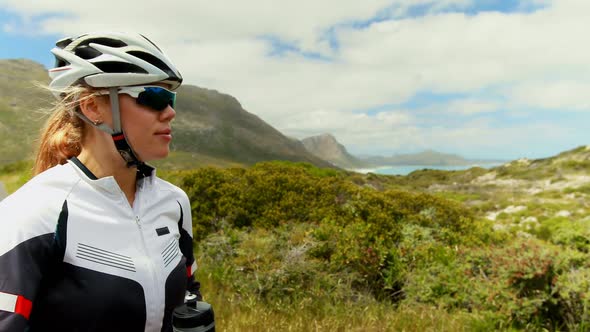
x,y
119,67
62,43
87,52
59,62
103,41
153,61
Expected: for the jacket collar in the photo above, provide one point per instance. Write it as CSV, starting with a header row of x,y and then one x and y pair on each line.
x,y
145,177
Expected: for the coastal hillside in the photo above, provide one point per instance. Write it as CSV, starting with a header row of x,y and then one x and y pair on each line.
x,y
428,157
505,248
326,147
21,102
210,128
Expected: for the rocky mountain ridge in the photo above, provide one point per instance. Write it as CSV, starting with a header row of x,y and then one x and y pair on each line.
x,y
326,146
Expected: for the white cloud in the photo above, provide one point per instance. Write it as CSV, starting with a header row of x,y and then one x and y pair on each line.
x,y
560,95
217,45
8,27
471,106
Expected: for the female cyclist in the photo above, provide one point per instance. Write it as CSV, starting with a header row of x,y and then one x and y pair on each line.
x,y
96,241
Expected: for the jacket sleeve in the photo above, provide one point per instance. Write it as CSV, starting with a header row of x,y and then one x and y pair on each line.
x,y
185,226
27,248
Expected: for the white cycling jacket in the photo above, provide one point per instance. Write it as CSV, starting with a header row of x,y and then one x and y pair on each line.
x,y
75,256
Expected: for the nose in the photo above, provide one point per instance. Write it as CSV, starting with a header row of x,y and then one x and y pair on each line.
x,y
168,114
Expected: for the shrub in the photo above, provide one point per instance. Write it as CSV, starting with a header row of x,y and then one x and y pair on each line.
x,y
354,231
525,283
563,231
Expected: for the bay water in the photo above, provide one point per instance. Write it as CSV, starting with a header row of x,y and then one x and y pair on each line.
x,y
407,169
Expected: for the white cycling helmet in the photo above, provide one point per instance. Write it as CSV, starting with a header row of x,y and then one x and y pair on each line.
x,y
110,59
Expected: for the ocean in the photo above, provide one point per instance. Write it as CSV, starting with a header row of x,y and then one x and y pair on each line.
x,y
407,169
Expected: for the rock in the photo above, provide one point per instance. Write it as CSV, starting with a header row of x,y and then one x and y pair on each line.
x,y
563,213
534,191
530,223
492,216
514,209
523,235
485,178
499,227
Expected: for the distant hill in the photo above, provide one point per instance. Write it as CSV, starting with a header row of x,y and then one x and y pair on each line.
x,y
210,127
557,168
20,102
428,157
326,147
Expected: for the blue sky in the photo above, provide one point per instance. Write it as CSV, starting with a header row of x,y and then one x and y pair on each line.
x,y
19,44
485,79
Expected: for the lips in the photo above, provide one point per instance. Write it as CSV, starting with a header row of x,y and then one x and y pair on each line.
x,y
164,132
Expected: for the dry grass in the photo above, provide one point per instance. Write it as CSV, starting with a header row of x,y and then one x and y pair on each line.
x,y
238,313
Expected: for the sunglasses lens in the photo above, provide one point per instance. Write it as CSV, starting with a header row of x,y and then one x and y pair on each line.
x,y
156,98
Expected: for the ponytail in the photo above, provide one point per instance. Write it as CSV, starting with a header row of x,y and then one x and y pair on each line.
x,y
61,137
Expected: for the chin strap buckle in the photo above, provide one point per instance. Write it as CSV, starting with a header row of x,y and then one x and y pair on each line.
x,y
125,150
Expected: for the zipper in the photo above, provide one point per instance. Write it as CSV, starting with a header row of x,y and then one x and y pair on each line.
x,y
154,276
154,287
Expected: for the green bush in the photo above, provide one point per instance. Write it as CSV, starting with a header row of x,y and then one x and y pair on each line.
x,y
567,232
14,175
525,283
353,230
290,234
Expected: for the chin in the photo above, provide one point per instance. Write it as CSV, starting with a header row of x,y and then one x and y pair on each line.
x,y
156,156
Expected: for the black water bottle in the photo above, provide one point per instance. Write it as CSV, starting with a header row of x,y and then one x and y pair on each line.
x,y
193,316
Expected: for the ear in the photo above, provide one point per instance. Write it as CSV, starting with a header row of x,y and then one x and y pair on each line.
x,y
92,107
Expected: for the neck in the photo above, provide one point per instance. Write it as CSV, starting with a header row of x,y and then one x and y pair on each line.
x,y
102,166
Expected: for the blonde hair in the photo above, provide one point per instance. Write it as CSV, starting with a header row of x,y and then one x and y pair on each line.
x,y
61,137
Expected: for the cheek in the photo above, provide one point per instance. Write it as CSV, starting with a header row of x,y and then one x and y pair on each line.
x,y
133,122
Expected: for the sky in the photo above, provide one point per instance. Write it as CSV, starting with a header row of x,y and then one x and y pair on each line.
x,y
486,79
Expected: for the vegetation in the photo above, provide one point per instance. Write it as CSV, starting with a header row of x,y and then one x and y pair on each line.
x,y
14,175
291,246
300,247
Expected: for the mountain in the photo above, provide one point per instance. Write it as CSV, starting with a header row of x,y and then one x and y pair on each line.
x,y
216,125
326,147
428,157
20,104
210,128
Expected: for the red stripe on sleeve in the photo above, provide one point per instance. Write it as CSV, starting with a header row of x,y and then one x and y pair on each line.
x,y
118,137
23,306
188,271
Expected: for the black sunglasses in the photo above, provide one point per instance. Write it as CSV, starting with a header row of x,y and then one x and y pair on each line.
x,y
152,96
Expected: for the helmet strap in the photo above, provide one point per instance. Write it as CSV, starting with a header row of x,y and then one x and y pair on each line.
x,y
117,133
121,143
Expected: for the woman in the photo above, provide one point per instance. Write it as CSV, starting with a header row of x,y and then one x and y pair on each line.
x,y
95,241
